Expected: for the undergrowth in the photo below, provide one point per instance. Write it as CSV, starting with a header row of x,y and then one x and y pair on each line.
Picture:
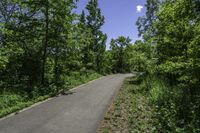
x,y
175,110
14,101
150,104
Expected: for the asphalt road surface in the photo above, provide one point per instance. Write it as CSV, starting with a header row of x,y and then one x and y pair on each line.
x,y
79,112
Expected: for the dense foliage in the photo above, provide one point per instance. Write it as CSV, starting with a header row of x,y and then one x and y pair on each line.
x,y
171,28
45,47
42,42
45,42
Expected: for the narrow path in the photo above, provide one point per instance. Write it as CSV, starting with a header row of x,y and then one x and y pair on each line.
x,y
80,112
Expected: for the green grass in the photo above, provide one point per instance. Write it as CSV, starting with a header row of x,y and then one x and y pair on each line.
x,y
150,104
12,102
130,112
76,80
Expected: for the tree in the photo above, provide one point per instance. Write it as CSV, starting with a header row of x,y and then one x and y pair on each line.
x,y
85,39
7,9
119,55
94,22
139,56
172,31
60,37
145,24
20,39
37,39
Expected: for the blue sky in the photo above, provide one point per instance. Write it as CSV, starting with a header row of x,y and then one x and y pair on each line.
x,y
120,17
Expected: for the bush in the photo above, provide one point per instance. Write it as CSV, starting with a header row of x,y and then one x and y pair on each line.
x,y
8,99
175,110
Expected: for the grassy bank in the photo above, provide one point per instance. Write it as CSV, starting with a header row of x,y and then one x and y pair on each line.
x,y
11,102
150,104
176,110
130,111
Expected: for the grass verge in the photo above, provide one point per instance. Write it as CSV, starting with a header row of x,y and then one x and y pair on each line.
x,y
11,102
130,112
149,104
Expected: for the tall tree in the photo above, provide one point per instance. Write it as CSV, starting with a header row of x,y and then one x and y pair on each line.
x,y
85,40
145,24
95,21
61,28
36,40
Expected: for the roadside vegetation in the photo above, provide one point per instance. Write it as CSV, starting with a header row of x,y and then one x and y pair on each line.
x,y
14,101
130,112
169,58
45,48
172,78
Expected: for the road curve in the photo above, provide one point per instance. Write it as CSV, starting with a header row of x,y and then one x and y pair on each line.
x,y
80,112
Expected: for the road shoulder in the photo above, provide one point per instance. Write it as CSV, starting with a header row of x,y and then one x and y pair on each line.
x,y
129,112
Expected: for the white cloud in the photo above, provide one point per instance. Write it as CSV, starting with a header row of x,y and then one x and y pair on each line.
x,y
139,8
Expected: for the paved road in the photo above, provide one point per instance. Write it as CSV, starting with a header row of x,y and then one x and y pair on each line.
x,y
80,112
